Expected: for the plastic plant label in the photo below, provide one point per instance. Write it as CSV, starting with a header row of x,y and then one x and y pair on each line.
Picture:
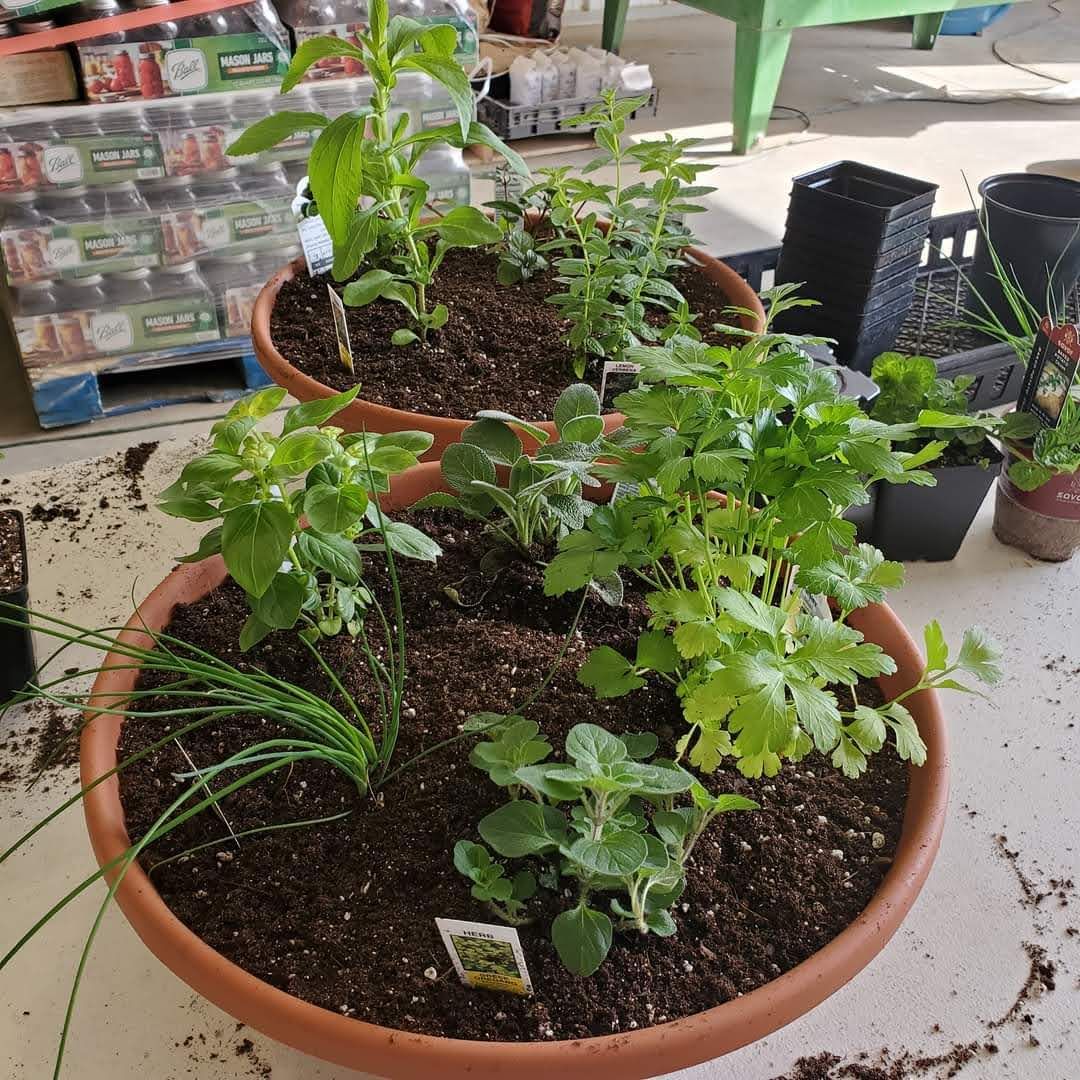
x,y
624,489
1051,371
486,956
317,245
618,377
341,328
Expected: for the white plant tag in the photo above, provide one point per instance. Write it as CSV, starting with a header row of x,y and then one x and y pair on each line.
x,y
317,245
614,380
341,328
486,955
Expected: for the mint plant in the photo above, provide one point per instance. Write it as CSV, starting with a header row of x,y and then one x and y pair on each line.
x,y
730,580
541,498
362,168
262,487
587,820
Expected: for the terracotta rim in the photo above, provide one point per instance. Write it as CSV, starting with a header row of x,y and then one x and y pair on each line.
x,y
363,414
392,1053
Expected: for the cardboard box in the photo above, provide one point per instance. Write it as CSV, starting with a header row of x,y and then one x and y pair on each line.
x,y
36,78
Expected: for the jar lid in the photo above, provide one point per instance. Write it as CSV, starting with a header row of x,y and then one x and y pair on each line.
x,y
34,26
76,192
238,257
138,274
86,279
6,29
180,268
35,286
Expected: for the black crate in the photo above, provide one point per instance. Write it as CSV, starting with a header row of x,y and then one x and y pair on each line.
x,y
526,121
864,194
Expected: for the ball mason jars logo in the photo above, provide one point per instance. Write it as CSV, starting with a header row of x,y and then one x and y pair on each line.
x,y
112,330
186,70
63,252
62,165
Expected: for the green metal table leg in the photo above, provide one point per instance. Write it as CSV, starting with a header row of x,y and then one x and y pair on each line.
x,y
614,24
927,28
759,60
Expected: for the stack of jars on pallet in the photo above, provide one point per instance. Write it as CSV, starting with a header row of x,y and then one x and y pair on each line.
x,y
130,237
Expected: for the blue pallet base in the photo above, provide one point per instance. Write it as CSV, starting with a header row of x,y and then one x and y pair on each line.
x,y
204,373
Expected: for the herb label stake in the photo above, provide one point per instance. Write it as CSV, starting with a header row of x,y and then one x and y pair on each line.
x,y
317,245
486,956
613,369
1051,371
341,328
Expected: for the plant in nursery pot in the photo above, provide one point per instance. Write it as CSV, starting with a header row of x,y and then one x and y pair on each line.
x,y
921,522
450,312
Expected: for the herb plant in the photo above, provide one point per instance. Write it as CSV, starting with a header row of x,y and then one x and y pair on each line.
x,y
733,627
1054,451
362,168
586,820
263,486
541,499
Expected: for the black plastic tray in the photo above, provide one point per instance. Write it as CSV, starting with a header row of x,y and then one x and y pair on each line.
x,y
526,121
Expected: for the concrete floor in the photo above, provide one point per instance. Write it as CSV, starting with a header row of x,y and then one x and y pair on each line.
x,y
959,961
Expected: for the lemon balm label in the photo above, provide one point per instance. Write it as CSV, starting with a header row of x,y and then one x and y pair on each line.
x,y
486,956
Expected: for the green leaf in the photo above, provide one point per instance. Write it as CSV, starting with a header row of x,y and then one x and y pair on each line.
x,y
255,539
214,469
660,923
671,826
334,554
593,745
523,828
261,403
609,673
582,429
252,632
581,559
496,439
404,336
477,135
190,509
362,237
270,130
449,74
298,451
656,651
582,938
711,747
209,545
937,648
579,399
388,458
465,226
335,171
463,462
335,509
909,744
367,288
640,745
980,655
313,50
279,607
407,540
615,854
317,413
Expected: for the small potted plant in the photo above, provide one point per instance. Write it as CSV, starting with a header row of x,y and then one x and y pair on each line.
x,y
953,446
449,313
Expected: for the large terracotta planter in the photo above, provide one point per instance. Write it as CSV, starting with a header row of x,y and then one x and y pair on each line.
x,y
400,1054
366,415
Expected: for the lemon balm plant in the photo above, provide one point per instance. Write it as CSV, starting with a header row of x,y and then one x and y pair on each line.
x,y
362,168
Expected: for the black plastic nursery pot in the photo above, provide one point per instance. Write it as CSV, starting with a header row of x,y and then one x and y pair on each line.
x,y
930,523
1033,223
1044,523
862,193
16,642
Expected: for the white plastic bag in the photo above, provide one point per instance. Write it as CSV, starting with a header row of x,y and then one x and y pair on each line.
x,y
567,75
635,78
526,82
549,76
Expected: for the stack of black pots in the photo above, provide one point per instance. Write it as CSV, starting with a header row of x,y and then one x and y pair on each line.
x,y
855,237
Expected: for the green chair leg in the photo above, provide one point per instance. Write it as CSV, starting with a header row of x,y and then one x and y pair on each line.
x,y
759,60
927,28
614,24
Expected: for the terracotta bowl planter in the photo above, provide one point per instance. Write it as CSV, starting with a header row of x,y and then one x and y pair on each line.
x,y
366,415
400,1054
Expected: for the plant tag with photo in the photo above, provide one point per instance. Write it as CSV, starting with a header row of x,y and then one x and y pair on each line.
x,y
1051,371
617,378
486,955
317,245
341,328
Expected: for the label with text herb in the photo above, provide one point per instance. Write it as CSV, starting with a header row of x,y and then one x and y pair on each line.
x,y
618,377
1051,372
341,328
486,955
317,245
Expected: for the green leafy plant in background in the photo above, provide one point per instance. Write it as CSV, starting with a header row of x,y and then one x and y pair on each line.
x,y
611,274
586,820
911,392
1054,451
541,498
362,168
733,628
262,487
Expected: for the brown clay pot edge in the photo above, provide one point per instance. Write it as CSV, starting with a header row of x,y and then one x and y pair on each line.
x,y
400,1054
361,414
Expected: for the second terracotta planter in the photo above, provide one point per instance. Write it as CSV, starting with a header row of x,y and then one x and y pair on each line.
x,y
402,1054
367,415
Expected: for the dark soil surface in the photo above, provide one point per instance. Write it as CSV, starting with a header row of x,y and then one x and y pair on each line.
x,y
342,914
12,567
502,348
